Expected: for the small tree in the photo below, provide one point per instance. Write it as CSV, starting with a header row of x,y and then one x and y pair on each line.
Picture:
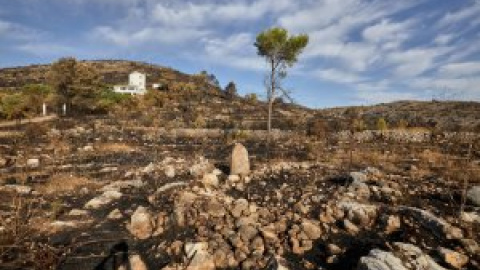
x,y
382,124
13,106
358,125
402,124
77,85
251,98
231,90
61,77
280,51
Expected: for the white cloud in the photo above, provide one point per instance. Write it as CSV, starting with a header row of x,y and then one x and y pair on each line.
x,y
443,39
338,76
468,12
200,14
15,31
415,61
456,70
235,51
48,49
456,88
387,31
126,38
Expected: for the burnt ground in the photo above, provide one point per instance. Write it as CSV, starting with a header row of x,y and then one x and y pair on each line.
x,y
289,180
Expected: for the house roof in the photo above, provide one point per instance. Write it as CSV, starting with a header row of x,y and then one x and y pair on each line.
x,y
136,72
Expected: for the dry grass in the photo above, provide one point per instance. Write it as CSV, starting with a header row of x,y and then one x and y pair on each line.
x,y
62,183
114,147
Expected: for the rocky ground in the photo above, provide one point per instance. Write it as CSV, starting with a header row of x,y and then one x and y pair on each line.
x,y
101,196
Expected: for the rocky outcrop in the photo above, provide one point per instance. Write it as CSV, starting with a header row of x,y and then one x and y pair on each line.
x,y
438,226
403,257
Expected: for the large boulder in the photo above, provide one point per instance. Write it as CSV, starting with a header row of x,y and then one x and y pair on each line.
x,y
473,195
239,162
403,255
436,225
380,260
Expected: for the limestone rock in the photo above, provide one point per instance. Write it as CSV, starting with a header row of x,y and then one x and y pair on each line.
x,y
473,195
106,198
358,177
312,230
33,163
416,258
437,225
210,180
201,167
115,214
380,260
215,209
200,258
141,223
360,214
135,263
170,171
78,212
239,162
20,189
453,258
392,224
239,207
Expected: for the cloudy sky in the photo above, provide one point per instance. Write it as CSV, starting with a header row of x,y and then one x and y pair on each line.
x,y
360,51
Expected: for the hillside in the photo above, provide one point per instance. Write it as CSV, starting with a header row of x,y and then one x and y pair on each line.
x,y
112,71
445,115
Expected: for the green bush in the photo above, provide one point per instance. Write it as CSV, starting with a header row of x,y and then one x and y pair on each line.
x,y
251,98
382,124
107,99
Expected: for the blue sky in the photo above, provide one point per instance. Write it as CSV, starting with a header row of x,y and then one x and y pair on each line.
x,y
360,51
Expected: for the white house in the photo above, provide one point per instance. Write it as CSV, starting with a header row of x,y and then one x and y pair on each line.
x,y
136,84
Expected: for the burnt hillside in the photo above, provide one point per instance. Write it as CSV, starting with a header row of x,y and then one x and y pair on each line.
x,y
449,115
113,72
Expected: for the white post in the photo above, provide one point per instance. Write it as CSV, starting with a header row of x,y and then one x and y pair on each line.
x,y
64,109
44,107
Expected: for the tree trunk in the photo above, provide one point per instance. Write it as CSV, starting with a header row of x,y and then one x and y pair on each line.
x,y
271,98
269,121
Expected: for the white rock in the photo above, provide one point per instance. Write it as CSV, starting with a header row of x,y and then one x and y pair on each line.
x,y
149,168
210,180
106,198
20,189
141,223
239,162
170,171
200,258
115,214
33,163
78,212
217,172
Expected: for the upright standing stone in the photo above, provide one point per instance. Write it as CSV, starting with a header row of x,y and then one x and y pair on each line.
x,y
239,163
